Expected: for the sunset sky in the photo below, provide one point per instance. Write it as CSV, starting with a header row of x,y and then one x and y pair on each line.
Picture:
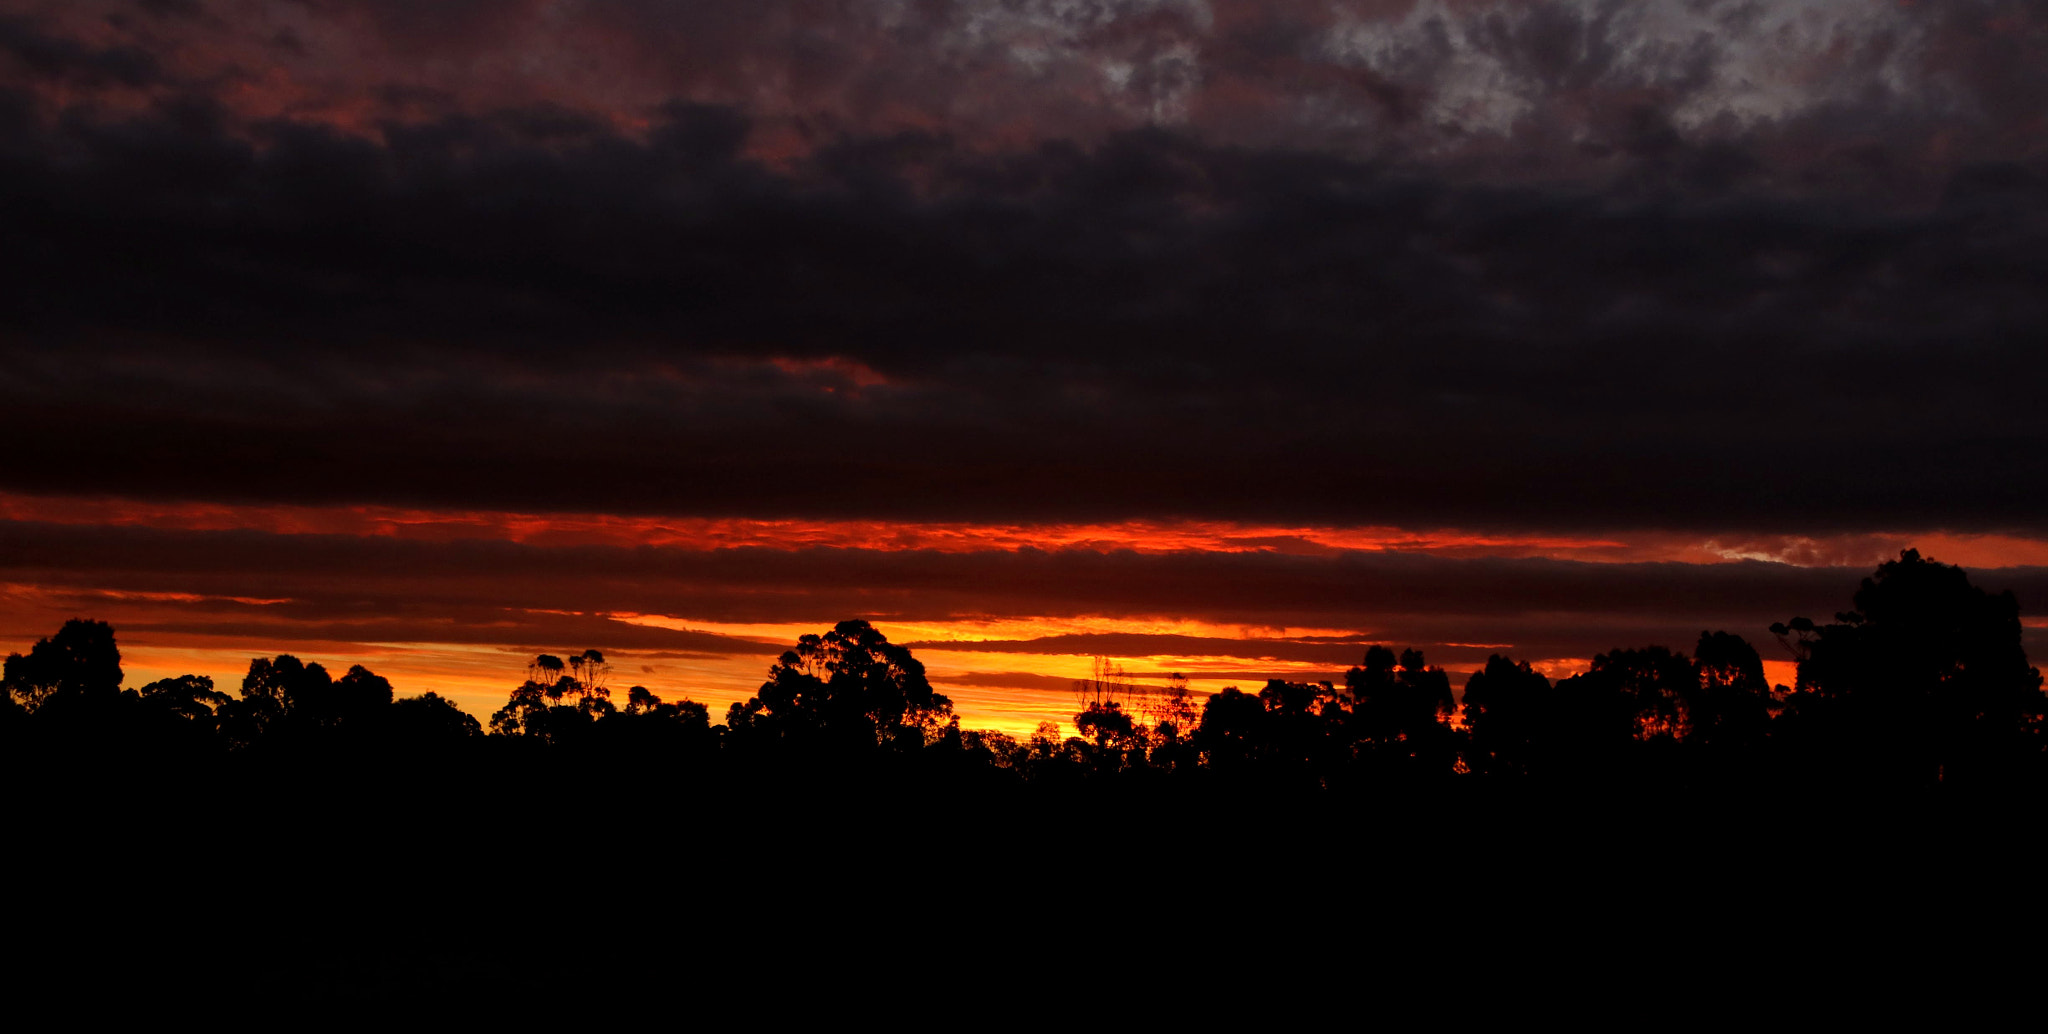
x,y
1223,338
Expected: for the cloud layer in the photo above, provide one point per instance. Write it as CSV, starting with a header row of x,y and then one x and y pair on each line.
x,y
368,589
1722,267
1152,328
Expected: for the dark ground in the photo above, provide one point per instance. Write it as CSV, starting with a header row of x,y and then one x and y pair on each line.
x,y
300,896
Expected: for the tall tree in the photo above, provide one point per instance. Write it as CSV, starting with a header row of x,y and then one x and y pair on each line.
x,y
1730,712
80,660
558,698
850,687
273,691
1399,715
1654,684
1506,707
1233,729
430,721
1924,682
191,697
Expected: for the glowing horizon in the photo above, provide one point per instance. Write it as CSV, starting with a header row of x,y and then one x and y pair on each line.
x,y
998,652
984,686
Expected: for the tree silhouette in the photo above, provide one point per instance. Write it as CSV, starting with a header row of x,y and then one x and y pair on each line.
x,y
1399,717
81,660
1173,711
191,697
1108,718
1389,705
1232,733
588,673
1924,682
272,691
1730,711
558,699
650,726
1109,726
1296,734
284,696
1506,708
1653,684
1108,683
430,720
850,688
359,696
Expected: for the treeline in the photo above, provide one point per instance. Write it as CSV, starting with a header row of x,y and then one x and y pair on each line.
x,y
1924,684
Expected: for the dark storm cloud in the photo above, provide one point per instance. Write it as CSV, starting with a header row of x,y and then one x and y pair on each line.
x,y
1560,265
59,59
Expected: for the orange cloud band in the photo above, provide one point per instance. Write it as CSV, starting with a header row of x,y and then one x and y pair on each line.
x,y
1143,536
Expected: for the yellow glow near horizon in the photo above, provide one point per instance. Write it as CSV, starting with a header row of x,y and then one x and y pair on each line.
x,y
478,678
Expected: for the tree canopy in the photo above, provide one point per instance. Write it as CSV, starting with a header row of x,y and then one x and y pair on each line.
x,y
849,688
1924,681
80,660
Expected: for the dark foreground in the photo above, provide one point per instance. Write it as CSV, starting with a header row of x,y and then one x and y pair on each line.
x,y
289,894
1664,837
